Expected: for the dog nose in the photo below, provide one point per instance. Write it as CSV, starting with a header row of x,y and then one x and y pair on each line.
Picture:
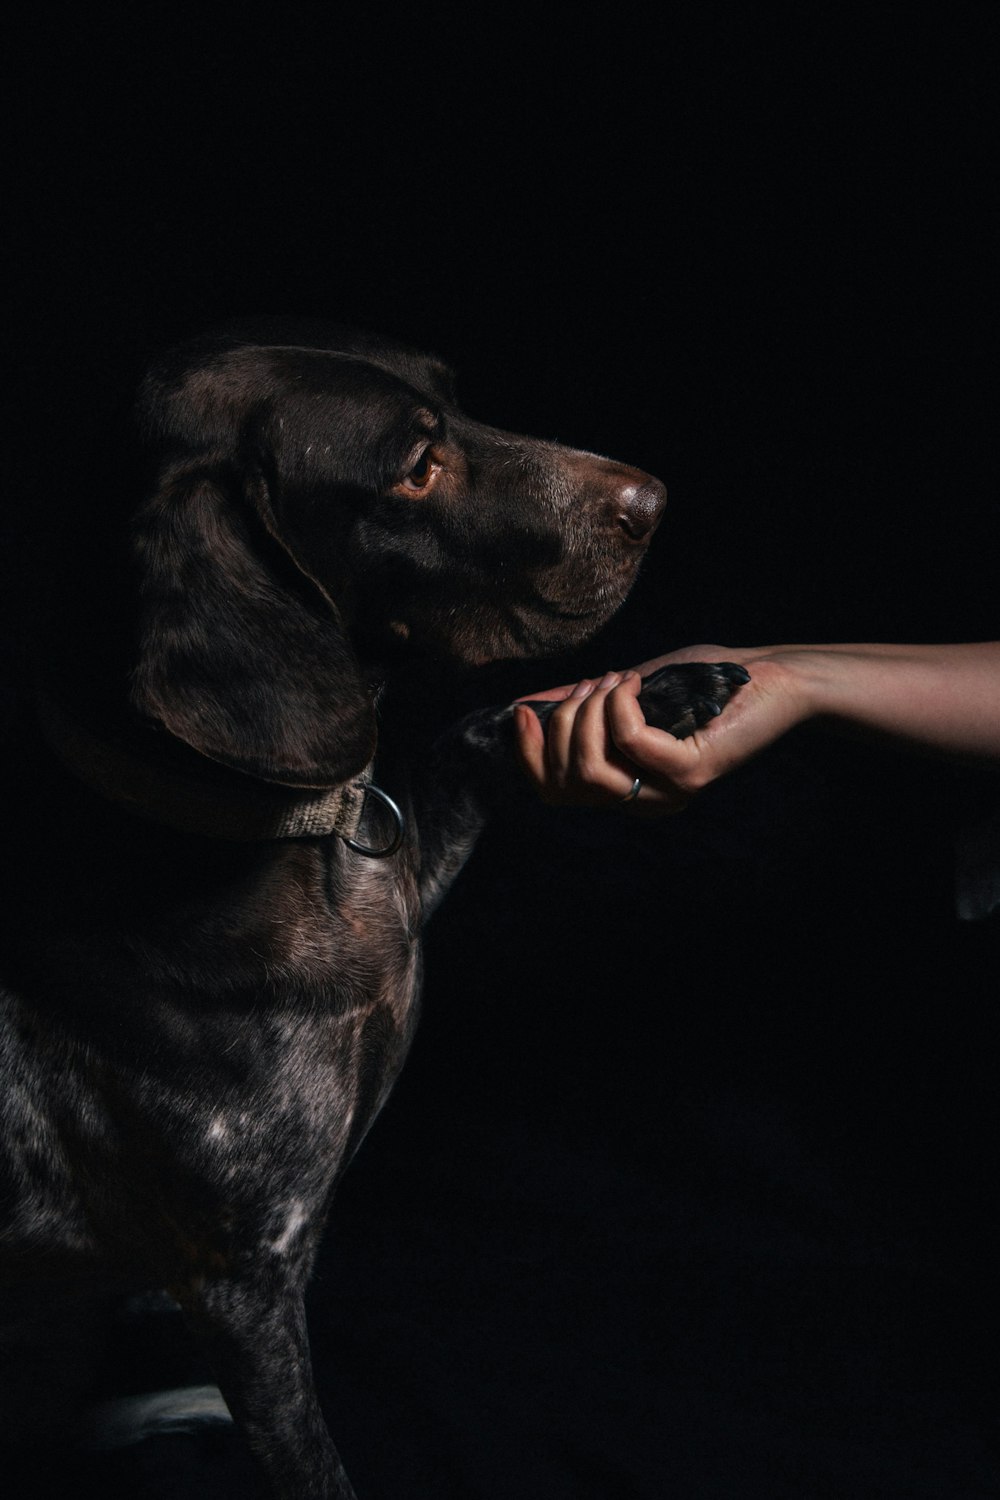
x,y
640,504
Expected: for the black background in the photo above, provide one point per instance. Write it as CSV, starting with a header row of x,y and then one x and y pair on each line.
x,y
685,1191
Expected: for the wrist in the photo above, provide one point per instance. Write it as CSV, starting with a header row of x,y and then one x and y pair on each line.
x,y
801,677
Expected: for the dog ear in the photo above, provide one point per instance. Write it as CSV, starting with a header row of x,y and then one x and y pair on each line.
x,y
240,653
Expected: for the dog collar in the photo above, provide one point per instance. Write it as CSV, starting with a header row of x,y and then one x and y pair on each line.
x,y
209,800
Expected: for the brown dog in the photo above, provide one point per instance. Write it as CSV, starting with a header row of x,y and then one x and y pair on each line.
x,y
217,916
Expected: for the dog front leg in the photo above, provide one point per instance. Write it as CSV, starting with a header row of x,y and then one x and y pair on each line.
x,y
254,1333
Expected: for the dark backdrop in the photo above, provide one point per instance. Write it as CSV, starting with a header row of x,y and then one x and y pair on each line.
x,y
686,1189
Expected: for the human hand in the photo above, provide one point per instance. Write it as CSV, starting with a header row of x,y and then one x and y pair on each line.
x,y
597,742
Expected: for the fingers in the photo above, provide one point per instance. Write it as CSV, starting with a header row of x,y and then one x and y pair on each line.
x,y
580,757
552,694
576,758
562,758
529,743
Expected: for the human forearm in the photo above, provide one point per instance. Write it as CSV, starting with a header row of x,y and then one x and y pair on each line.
x,y
944,697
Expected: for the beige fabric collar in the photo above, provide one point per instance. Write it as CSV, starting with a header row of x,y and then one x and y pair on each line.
x,y
214,805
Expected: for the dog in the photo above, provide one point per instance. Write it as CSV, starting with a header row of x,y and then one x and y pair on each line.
x,y
244,811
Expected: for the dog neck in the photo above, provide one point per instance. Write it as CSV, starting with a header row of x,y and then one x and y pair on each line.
x,y
194,795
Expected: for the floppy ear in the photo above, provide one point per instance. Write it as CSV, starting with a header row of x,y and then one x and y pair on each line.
x,y
240,654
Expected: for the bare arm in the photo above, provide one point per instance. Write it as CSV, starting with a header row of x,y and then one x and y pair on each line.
x,y
946,698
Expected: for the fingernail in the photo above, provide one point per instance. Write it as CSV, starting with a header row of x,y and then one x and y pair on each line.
x,y
610,679
583,689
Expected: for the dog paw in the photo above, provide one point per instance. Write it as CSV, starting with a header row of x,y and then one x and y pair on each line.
x,y
679,699
683,698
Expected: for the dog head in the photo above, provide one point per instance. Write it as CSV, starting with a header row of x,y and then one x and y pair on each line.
x,y
321,501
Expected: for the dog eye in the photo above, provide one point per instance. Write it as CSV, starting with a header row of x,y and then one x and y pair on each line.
x,y
421,472
421,476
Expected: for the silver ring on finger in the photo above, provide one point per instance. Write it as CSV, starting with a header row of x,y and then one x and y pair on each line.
x,y
632,792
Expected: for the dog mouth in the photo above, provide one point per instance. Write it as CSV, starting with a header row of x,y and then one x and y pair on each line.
x,y
535,626
504,606
487,633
